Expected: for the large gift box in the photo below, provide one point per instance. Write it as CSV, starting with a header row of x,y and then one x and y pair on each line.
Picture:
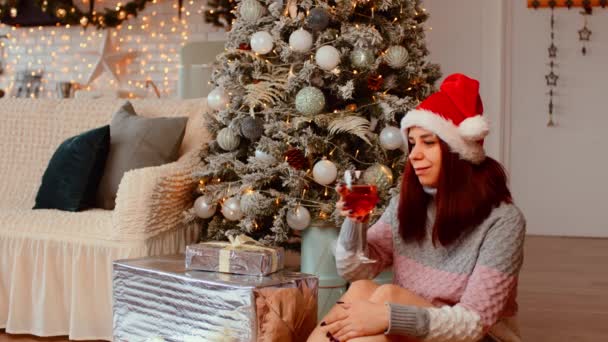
x,y
157,299
242,255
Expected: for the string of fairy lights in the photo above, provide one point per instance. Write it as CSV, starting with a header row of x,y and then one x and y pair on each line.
x,y
156,35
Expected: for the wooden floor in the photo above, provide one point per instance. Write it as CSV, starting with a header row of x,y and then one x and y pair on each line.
x,y
563,292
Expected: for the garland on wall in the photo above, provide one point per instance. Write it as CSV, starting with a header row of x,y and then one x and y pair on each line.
x,y
67,13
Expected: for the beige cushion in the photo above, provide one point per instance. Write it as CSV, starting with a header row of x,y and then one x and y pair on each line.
x,y
137,142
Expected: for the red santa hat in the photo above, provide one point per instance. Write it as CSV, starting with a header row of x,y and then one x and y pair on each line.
x,y
454,114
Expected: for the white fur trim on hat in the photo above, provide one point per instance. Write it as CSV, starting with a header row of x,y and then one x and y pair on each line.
x,y
463,140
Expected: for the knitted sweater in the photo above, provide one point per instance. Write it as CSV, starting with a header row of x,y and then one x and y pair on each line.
x,y
472,283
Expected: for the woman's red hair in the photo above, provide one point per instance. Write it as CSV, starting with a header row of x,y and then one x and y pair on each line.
x,y
466,194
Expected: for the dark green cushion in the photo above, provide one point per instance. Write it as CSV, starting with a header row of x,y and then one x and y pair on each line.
x,y
73,174
137,142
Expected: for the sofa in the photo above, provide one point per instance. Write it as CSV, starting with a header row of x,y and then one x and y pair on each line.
x,y
56,266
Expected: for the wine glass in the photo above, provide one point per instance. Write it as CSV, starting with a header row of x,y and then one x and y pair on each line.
x,y
360,200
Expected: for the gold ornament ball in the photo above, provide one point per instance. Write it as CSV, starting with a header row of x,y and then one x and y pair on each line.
x,y
379,175
122,15
396,56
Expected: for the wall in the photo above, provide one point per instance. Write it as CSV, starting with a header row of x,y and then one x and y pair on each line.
x,y
556,173
465,36
68,54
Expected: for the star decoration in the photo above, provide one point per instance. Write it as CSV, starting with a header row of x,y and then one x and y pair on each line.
x,y
552,51
551,79
110,60
584,34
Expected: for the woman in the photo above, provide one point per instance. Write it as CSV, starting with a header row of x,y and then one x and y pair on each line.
x,y
453,238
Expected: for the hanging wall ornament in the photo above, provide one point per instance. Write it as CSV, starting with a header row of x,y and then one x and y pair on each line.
x,y
362,58
396,56
251,10
318,19
584,34
228,139
310,101
300,40
252,128
552,77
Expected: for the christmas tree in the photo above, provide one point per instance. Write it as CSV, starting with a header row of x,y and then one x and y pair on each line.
x,y
305,91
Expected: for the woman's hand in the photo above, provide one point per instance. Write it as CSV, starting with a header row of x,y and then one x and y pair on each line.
x,y
357,319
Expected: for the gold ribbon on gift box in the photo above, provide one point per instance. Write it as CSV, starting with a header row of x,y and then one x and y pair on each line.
x,y
242,242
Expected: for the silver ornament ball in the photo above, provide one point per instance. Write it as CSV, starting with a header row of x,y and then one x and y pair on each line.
x,y
310,101
218,98
262,42
227,139
325,172
298,218
251,10
318,19
252,128
327,57
379,175
391,138
231,209
362,58
300,40
265,157
203,207
396,56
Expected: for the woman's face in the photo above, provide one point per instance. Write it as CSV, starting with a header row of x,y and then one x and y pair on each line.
x,y
425,155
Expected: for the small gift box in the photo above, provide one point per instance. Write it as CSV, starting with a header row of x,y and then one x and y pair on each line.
x,y
242,255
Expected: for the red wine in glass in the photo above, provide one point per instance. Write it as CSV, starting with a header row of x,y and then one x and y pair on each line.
x,y
361,199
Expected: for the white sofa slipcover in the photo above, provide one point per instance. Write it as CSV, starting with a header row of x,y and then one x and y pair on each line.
x,y
56,266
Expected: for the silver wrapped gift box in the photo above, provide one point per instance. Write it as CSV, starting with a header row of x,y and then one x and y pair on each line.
x,y
235,257
157,299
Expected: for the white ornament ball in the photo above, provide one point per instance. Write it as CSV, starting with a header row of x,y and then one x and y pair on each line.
x,y
251,10
324,172
231,209
298,218
265,157
218,99
391,138
310,101
327,57
396,56
203,207
300,40
228,139
261,42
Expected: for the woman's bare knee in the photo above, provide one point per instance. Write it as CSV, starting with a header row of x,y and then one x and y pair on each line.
x,y
362,289
386,292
